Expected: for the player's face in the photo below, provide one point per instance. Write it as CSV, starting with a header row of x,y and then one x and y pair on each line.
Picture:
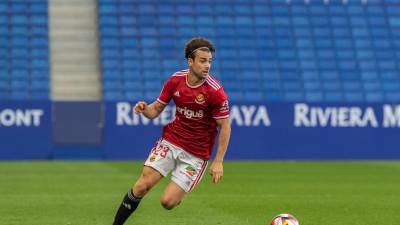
x,y
201,64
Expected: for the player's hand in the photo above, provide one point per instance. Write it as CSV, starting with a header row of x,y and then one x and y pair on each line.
x,y
216,171
140,107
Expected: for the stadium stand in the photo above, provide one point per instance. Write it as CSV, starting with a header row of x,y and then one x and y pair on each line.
x,y
24,58
266,50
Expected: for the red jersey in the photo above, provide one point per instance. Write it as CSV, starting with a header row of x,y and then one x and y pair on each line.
x,y
194,128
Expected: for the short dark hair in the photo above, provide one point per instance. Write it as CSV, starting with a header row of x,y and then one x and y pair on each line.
x,y
198,43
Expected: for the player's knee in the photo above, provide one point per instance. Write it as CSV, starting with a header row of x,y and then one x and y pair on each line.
x,y
169,203
141,188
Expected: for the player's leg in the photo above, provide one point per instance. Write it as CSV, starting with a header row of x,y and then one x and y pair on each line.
x,y
159,163
172,196
146,181
187,174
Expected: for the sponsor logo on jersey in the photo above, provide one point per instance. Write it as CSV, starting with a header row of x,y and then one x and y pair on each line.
x,y
200,99
188,113
176,93
190,170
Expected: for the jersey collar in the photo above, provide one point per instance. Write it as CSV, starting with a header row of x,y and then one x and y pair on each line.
x,y
190,86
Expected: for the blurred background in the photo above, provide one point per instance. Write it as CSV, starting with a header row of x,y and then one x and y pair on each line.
x,y
307,79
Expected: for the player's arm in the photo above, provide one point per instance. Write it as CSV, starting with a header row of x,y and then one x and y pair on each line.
x,y
150,111
216,168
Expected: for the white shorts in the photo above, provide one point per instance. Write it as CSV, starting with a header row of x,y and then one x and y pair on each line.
x,y
187,169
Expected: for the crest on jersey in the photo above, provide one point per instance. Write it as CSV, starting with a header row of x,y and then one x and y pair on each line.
x,y
200,99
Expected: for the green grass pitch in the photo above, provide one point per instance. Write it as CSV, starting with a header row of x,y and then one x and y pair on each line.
x,y
251,193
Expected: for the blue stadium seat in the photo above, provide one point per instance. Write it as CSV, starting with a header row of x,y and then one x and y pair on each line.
x,y
39,20
132,74
312,86
39,7
184,9
235,95
334,96
243,9
19,52
111,20
40,95
369,75
310,75
39,42
293,96
40,63
273,96
385,54
40,85
19,19
360,33
3,9
22,74
18,8
126,20
374,96
151,95
134,95
244,21
19,31
354,96
292,86
367,65
4,85
112,84
392,96
148,9
19,85
349,75
390,75
167,20
39,30
126,8
231,85
4,31
332,86
391,86
107,9
40,73
113,95
203,9
282,51
185,20
352,86
314,96
253,96
165,8
134,85
223,9
152,85
372,86
19,94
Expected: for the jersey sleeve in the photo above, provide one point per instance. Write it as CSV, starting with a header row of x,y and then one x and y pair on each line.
x,y
166,93
220,106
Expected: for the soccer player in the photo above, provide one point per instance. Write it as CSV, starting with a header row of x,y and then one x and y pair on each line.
x,y
187,142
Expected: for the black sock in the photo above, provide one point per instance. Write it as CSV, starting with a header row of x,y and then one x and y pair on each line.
x,y
128,205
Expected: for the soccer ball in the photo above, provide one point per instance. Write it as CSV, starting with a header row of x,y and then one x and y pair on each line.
x,y
284,219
